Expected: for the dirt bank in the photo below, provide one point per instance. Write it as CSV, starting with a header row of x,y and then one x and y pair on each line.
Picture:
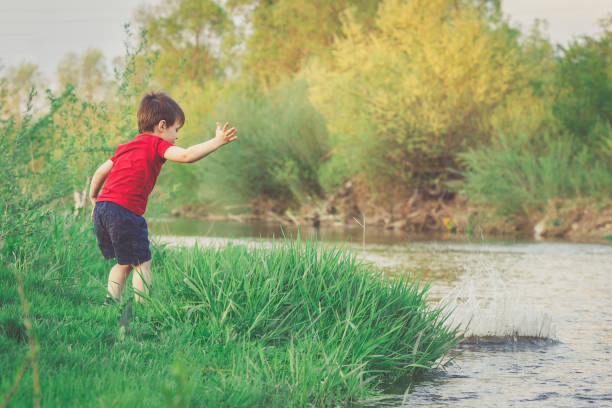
x,y
416,211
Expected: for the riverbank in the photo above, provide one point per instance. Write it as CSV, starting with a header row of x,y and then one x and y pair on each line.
x,y
290,326
423,212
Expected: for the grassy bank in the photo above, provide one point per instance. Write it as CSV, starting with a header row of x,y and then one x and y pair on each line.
x,y
289,326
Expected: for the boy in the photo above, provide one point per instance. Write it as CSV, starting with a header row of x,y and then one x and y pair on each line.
x,y
128,178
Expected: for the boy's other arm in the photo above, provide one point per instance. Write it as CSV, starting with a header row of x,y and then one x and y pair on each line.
x,y
98,179
199,151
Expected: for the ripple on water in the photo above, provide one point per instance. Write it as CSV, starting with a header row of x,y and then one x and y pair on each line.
x,y
536,318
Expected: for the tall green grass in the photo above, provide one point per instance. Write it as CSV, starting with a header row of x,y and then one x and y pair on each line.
x,y
519,178
293,325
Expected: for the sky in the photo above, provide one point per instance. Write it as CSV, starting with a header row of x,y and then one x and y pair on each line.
x,y
43,31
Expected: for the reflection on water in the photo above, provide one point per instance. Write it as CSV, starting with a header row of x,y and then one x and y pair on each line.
x,y
549,289
231,229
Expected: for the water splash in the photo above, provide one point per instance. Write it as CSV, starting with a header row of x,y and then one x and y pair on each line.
x,y
480,303
486,310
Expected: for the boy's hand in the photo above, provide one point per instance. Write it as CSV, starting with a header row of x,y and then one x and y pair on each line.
x,y
225,135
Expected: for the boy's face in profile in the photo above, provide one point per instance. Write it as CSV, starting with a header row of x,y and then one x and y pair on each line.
x,y
168,133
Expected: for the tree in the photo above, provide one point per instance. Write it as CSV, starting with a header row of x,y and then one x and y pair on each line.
x,y
584,83
17,85
286,32
528,111
404,98
87,73
189,36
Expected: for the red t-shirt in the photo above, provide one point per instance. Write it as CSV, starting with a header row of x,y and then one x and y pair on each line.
x,y
136,166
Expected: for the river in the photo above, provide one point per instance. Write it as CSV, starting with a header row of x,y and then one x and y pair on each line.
x,y
537,315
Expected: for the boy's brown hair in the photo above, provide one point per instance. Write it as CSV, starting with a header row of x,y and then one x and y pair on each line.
x,y
157,106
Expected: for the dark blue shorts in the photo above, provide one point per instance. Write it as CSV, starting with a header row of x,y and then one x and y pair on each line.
x,y
121,234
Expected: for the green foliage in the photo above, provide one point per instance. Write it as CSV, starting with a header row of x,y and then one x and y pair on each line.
x,y
133,78
27,166
336,169
178,391
281,141
584,76
405,97
297,292
517,177
403,86
16,87
528,109
190,36
290,326
50,153
286,33
568,101
86,73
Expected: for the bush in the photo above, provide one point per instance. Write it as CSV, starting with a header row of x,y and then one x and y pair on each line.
x,y
43,161
49,152
281,140
584,82
518,178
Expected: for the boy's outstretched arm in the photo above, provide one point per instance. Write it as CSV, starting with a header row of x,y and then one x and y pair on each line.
x,y
194,153
97,180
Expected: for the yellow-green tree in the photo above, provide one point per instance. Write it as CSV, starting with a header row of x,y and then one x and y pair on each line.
x,y
17,83
189,36
286,32
528,110
403,98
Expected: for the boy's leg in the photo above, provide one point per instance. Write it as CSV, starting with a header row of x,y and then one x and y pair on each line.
x,y
141,280
116,279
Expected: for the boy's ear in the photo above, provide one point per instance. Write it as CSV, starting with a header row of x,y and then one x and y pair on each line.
x,y
162,124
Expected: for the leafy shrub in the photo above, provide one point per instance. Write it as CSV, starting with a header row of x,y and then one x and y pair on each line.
x,y
36,165
518,178
51,151
281,140
584,82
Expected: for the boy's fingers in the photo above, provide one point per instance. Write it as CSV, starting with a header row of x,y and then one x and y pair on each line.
x,y
218,125
225,127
